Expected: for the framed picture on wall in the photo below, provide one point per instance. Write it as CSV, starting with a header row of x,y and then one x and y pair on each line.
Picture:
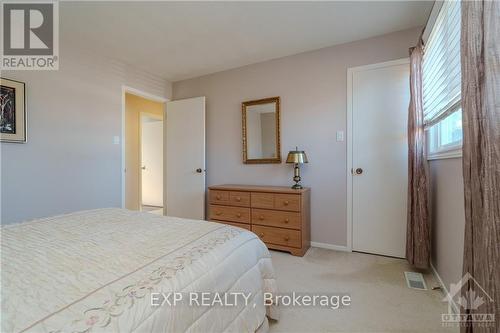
x,y
13,111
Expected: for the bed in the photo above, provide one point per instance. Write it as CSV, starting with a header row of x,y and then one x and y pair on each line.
x,y
95,271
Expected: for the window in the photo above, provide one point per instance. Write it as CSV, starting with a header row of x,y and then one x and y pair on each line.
x,y
451,129
445,137
441,78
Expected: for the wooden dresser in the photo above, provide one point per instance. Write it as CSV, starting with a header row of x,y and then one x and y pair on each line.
x,y
280,216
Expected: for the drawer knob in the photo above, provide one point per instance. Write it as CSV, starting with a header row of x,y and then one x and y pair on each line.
x,y
287,220
238,199
261,217
285,202
218,213
287,238
218,197
238,215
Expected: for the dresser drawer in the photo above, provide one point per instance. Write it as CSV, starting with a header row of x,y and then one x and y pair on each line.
x,y
239,199
218,197
263,200
278,236
276,218
290,202
231,214
241,225
229,198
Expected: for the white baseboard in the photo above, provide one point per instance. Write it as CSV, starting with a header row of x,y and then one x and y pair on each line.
x,y
450,300
331,246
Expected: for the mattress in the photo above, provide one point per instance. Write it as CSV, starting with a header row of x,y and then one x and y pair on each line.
x,y
96,271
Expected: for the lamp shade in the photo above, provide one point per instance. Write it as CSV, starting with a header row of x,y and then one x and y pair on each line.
x,y
296,156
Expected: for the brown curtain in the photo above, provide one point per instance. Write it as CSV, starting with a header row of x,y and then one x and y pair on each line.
x,y
480,56
418,226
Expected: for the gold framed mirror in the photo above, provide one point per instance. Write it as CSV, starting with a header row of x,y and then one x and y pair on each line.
x,y
261,131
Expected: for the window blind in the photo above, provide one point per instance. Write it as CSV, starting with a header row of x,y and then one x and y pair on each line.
x,y
441,77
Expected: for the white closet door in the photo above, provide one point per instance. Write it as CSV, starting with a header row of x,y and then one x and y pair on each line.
x,y
380,97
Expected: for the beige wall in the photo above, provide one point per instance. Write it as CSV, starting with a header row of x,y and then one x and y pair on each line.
x,y
448,218
134,106
312,87
70,161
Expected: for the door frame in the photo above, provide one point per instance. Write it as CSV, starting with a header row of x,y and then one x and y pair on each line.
x,y
349,130
140,93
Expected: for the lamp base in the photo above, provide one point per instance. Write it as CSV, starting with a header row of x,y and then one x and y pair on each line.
x,y
296,177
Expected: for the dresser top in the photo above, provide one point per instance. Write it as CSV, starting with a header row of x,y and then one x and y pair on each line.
x,y
258,188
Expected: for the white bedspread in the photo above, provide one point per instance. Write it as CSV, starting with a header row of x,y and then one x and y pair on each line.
x,y
95,271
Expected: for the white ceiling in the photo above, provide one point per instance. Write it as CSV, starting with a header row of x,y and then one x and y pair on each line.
x,y
179,40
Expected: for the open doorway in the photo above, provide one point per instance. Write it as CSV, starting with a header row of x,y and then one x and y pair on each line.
x,y
144,126
168,177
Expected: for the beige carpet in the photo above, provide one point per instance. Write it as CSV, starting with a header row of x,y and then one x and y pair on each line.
x,y
381,301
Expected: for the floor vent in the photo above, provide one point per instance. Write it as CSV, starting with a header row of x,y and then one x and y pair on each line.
x,y
415,280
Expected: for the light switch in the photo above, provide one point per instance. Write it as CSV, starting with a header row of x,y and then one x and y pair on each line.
x,y
116,140
340,136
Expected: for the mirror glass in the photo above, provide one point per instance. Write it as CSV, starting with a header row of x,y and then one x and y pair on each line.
x,y
261,124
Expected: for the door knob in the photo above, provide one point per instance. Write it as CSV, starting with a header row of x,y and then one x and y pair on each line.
x,y
199,170
359,171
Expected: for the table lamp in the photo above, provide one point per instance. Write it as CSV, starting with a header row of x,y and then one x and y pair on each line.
x,y
296,157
